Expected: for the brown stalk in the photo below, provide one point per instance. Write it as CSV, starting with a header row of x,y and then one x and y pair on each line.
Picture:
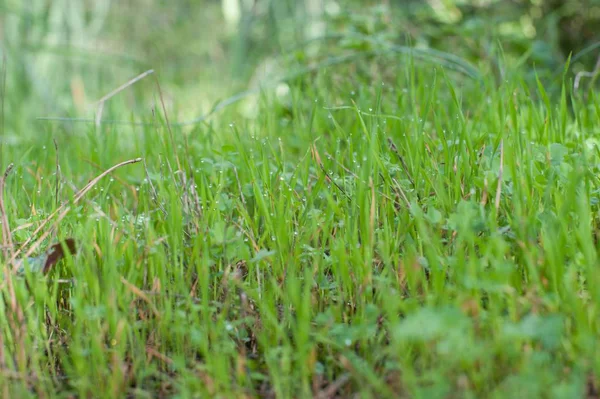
x,y
142,295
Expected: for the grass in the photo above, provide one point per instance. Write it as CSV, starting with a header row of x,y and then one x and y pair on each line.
x,y
381,230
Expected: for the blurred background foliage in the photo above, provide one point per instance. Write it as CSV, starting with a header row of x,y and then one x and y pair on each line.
x,y
61,56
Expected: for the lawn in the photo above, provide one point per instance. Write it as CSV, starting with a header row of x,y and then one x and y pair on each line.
x,y
383,222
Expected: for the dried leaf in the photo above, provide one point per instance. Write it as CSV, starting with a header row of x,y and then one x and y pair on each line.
x,y
43,263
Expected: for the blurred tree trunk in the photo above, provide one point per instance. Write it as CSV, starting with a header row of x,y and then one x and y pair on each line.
x,y
578,21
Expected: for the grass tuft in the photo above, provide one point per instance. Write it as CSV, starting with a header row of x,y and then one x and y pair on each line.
x,y
381,227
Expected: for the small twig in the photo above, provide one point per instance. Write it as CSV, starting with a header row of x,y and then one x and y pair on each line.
x,y
63,210
500,173
119,89
117,178
335,386
154,353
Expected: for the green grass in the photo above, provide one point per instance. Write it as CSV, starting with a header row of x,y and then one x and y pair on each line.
x,y
378,232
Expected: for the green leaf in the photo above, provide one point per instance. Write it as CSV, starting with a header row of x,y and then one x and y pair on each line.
x,y
433,215
262,254
547,330
557,153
